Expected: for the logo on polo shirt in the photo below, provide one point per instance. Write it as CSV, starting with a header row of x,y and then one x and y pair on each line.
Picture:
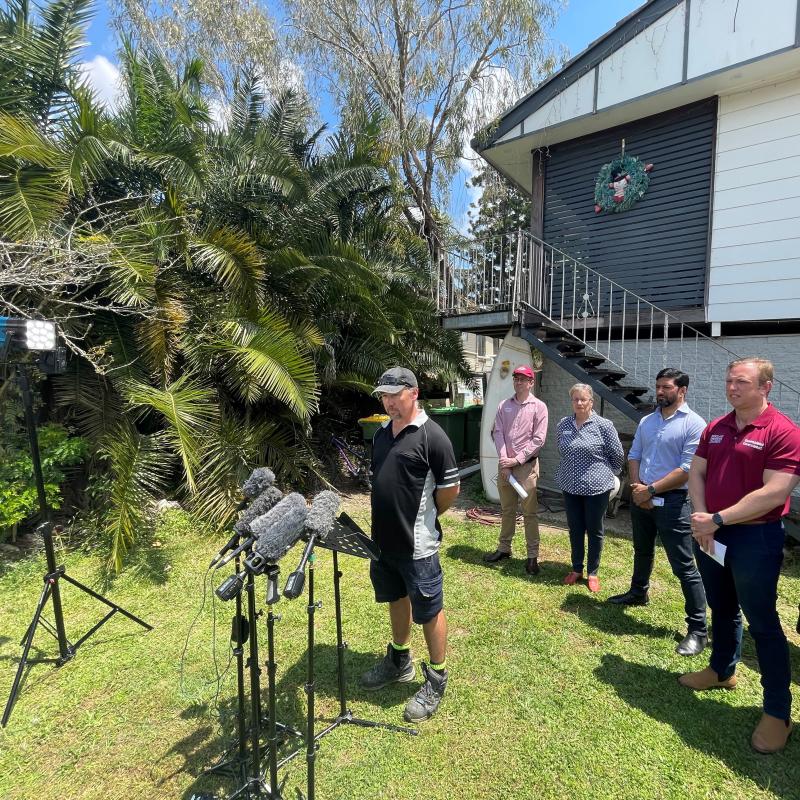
x,y
716,438
754,444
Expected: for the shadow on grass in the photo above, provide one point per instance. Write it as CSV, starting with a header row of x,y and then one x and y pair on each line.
x,y
148,561
703,722
610,618
206,746
552,571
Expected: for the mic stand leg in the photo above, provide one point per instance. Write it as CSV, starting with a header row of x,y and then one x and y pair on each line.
x,y
311,742
273,595
345,716
253,786
227,762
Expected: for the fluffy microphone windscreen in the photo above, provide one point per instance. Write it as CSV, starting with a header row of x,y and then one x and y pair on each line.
x,y
259,480
279,529
263,503
322,514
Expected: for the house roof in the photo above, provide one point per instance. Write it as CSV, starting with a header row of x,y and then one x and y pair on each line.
x,y
577,67
666,54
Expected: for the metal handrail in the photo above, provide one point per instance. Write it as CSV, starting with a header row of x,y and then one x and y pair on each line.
x,y
518,270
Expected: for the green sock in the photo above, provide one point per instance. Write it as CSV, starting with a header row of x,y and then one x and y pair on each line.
x,y
400,653
440,668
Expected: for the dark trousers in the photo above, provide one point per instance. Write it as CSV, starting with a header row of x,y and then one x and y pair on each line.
x,y
749,582
671,523
585,519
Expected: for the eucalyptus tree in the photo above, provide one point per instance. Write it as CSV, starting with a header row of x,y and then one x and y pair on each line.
x,y
226,35
424,60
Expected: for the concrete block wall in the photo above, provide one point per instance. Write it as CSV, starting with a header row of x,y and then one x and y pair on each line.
x,y
705,365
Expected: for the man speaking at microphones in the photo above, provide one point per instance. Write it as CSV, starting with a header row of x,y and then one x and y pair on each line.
x,y
414,479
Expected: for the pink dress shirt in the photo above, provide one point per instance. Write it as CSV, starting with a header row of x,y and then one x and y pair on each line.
x,y
520,428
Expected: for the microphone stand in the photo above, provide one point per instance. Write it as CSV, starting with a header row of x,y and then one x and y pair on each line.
x,y
311,743
273,595
239,635
346,537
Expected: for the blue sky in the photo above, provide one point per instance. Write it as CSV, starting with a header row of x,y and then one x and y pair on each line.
x,y
581,23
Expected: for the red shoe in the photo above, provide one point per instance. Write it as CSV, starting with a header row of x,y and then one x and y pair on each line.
x,y
572,577
594,583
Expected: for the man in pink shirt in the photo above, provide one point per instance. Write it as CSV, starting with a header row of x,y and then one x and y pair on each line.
x,y
519,431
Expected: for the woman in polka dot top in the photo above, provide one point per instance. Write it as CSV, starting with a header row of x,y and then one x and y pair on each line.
x,y
591,454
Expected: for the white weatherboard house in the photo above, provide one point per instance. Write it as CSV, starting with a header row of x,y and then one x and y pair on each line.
x,y
697,258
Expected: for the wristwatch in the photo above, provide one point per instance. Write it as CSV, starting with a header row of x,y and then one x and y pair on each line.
x,y
652,490
717,520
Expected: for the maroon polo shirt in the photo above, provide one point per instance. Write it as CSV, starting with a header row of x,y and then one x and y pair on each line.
x,y
736,459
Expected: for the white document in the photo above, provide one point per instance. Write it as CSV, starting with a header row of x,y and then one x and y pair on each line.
x,y
517,487
719,553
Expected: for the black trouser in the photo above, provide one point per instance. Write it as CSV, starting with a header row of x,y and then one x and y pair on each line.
x,y
585,519
671,523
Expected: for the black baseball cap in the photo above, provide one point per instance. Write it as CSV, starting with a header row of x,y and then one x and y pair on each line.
x,y
394,380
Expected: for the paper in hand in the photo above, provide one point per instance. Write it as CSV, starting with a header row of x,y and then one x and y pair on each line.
x,y
719,553
517,487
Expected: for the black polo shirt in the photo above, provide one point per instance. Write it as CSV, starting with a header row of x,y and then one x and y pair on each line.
x,y
406,471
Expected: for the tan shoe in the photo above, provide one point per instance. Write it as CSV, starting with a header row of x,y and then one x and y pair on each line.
x,y
771,734
706,679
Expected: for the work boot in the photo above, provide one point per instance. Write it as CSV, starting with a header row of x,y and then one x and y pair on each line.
x,y
532,566
771,734
706,679
386,671
424,703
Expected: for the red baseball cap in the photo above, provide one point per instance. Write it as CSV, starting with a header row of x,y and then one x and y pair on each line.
x,y
523,370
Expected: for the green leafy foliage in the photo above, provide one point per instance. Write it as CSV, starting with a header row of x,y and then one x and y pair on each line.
x,y
243,280
18,496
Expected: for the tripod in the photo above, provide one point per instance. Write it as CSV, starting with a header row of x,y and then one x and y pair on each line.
x,y
55,573
253,782
234,761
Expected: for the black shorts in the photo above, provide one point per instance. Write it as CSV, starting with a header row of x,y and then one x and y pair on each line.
x,y
395,576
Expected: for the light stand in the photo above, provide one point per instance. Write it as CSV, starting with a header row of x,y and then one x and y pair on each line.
x,y
55,572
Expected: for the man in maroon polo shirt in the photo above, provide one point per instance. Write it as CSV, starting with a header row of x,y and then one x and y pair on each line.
x,y
744,470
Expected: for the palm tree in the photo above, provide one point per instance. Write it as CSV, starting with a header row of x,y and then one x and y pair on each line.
x,y
233,276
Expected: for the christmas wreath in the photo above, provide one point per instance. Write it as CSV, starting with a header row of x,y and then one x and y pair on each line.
x,y
620,184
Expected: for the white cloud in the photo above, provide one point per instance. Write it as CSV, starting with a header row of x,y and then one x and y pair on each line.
x,y
103,79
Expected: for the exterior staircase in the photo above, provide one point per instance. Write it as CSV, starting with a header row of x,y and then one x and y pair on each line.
x,y
571,354
597,330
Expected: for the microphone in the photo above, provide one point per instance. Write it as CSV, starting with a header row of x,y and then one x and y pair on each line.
x,y
322,514
277,532
320,522
263,503
259,480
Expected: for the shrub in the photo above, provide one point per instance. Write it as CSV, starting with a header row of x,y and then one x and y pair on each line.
x,y
18,498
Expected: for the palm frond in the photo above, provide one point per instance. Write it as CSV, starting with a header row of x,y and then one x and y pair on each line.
x,y
187,408
232,259
140,467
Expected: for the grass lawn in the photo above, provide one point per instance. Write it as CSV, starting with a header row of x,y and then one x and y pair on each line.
x,y
552,693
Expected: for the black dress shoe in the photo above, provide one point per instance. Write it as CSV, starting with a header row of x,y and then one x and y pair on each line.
x,y
630,598
498,555
692,644
532,566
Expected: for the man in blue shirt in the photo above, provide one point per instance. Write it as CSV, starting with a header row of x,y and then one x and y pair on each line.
x,y
658,466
